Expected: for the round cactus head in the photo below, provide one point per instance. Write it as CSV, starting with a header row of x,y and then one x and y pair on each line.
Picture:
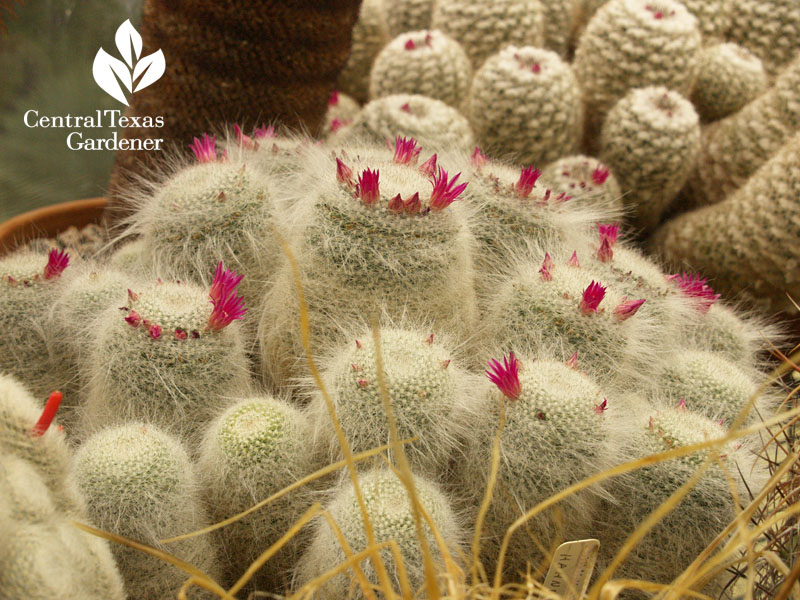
x,y
728,78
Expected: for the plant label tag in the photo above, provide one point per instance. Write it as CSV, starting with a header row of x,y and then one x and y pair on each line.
x,y
572,568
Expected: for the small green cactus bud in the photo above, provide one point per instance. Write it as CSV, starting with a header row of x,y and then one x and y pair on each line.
x,y
390,512
255,448
484,27
729,77
29,283
650,139
526,102
431,122
425,62
167,357
430,396
140,483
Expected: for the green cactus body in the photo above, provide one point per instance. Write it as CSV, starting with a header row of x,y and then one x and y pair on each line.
x,y
709,383
526,102
408,15
703,513
85,293
631,44
431,122
160,363
425,62
42,561
734,148
26,294
650,139
430,397
387,251
770,29
255,448
389,509
208,212
555,434
728,78
484,27
370,34
139,483
555,308
589,182
745,242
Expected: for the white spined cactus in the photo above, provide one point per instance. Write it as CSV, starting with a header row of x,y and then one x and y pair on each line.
x,y
408,15
431,122
526,102
383,231
217,209
555,434
28,286
484,27
254,449
588,181
390,512
168,357
139,483
426,62
430,394
702,514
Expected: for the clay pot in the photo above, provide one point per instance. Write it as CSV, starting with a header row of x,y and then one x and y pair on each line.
x,y
49,221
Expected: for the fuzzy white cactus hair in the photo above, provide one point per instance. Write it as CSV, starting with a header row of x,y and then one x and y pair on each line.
x,y
431,394
255,448
373,226
167,357
139,483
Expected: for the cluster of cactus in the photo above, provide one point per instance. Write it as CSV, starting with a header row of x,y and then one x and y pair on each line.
x,y
732,64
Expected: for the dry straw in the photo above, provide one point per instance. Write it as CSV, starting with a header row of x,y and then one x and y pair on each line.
x,y
736,549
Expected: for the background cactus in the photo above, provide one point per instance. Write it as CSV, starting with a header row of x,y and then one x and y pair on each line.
x,y
167,359
484,27
342,109
390,512
431,122
408,15
431,397
28,286
650,140
747,240
425,62
734,148
634,43
588,181
139,483
770,29
370,34
728,77
526,102
255,448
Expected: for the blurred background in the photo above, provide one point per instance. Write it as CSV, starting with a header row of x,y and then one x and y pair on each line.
x,y
46,56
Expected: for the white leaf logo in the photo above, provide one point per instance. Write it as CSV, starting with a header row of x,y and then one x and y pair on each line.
x,y
111,74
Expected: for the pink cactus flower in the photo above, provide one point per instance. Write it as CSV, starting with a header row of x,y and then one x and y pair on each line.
x,y
155,331
412,206
228,307
697,288
445,191
479,159
573,260
681,404
48,414
572,362
602,407
244,141
608,232
406,151
410,45
344,174
547,264
395,205
205,149
527,180
336,125
600,174
362,382
429,166
133,319
57,261
180,334
264,132
506,376
592,297
334,98
368,187
605,253
627,309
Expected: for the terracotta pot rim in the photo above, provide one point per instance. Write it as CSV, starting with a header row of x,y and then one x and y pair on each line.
x,y
48,221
